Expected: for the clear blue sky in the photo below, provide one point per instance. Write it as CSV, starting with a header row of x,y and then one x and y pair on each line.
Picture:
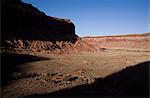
x,y
100,17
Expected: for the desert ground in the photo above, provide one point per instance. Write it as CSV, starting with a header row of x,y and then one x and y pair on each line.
x,y
43,73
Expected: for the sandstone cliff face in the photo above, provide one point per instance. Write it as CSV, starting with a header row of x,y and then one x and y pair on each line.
x,y
136,41
23,21
24,27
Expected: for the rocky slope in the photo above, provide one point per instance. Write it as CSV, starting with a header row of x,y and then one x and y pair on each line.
x,y
133,41
24,27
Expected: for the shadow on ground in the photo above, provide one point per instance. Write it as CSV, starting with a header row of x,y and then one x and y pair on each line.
x,y
130,82
10,61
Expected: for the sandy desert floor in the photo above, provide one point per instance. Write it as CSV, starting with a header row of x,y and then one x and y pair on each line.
x,y
43,73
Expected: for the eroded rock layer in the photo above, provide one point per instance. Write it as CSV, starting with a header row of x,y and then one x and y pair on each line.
x,y
134,41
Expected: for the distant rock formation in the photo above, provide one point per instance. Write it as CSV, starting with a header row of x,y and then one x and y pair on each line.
x,y
132,41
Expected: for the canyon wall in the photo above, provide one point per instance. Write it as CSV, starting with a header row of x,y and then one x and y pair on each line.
x,y
134,41
23,21
24,27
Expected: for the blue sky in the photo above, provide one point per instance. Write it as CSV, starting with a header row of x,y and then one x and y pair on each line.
x,y
100,17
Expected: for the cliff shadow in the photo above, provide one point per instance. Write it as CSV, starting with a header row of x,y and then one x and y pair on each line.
x,y
130,82
10,61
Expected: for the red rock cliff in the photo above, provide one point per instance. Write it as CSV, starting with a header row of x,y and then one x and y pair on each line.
x,y
133,41
24,27
23,21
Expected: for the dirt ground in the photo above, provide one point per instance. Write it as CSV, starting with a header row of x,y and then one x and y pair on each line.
x,y
42,73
